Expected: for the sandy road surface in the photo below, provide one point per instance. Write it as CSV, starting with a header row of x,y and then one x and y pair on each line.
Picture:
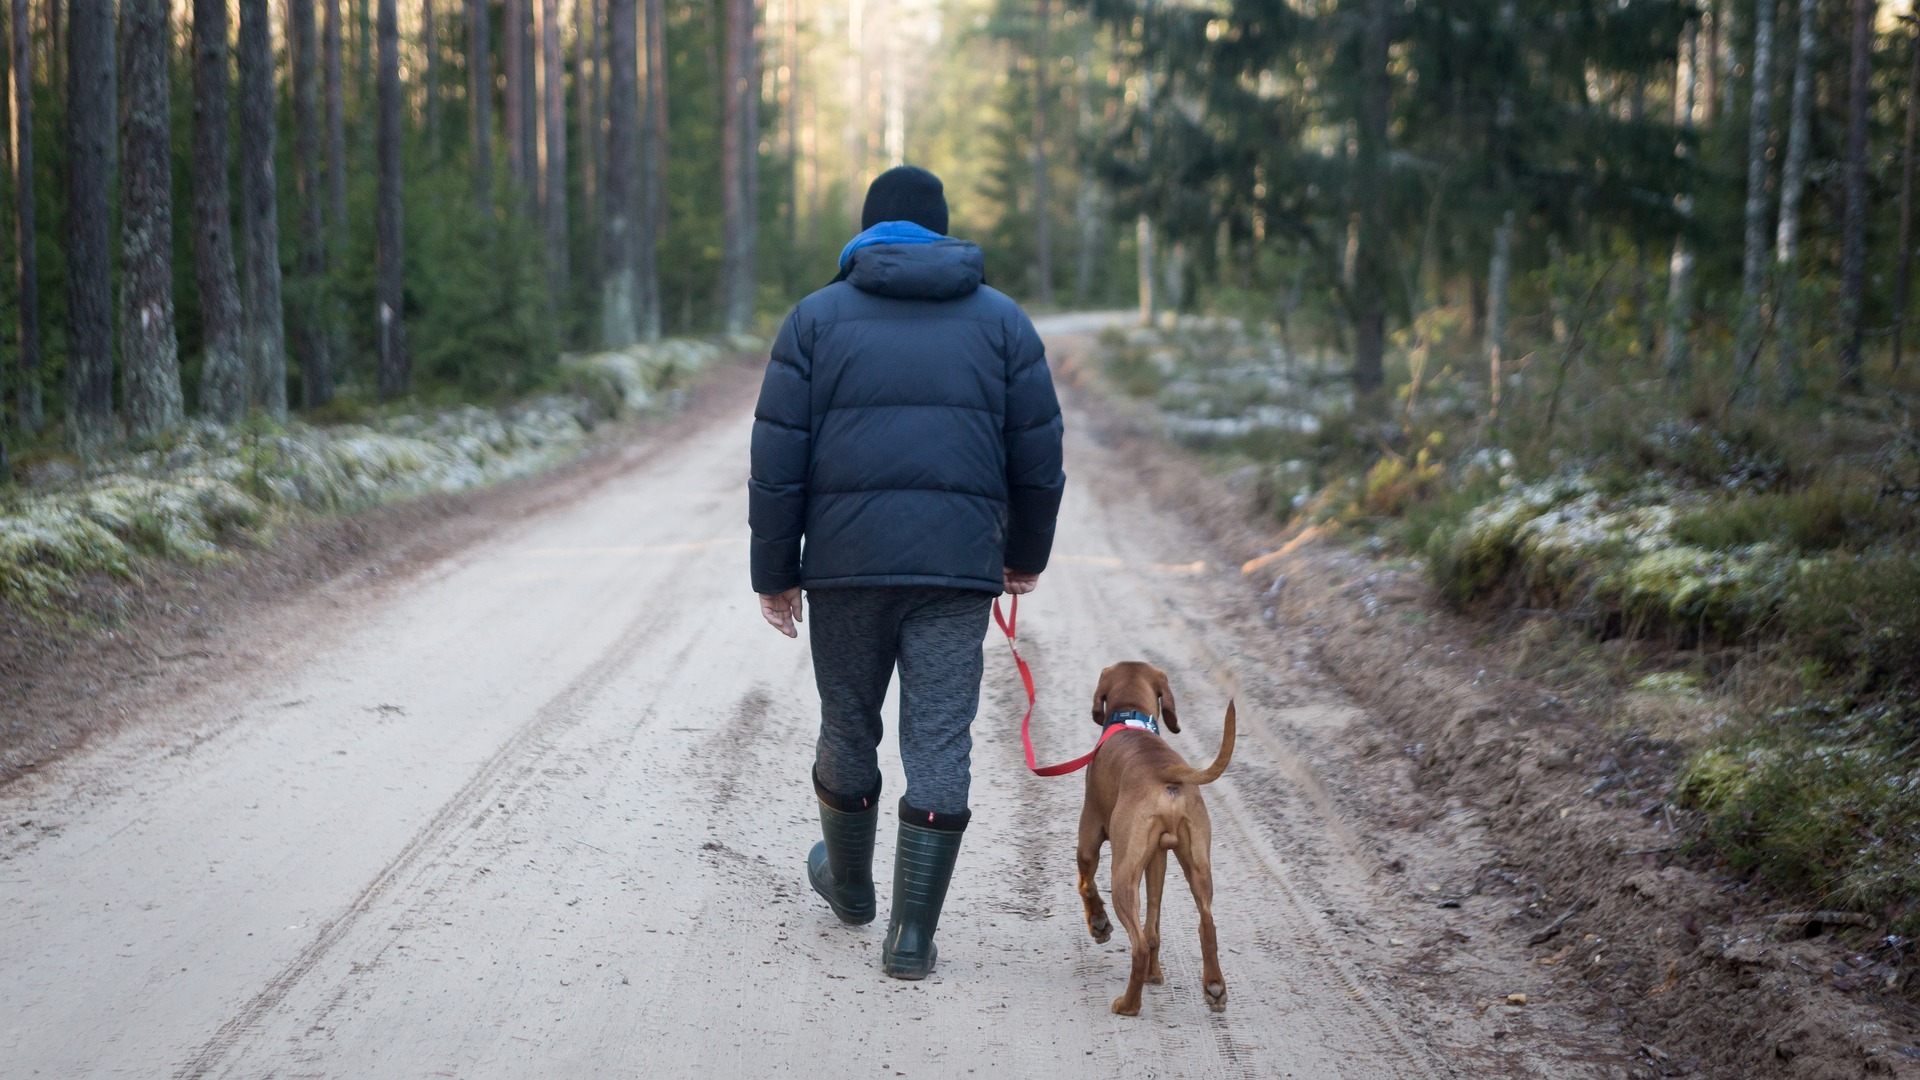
x,y
542,813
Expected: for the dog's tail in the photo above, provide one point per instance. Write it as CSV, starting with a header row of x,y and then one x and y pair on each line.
x,y
1187,774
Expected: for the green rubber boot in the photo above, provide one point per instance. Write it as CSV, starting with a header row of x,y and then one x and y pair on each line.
x,y
840,867
922,868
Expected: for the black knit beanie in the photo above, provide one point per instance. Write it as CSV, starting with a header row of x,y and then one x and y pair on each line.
x,y
906,193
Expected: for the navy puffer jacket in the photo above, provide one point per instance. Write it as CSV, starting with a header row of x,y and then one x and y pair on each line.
x,y
907,429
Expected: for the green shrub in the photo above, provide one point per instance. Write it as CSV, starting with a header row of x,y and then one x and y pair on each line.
x,y
1818,518
1822,800
1859,617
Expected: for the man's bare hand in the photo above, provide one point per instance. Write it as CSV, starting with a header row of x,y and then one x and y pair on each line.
x,y
782,611
1017,583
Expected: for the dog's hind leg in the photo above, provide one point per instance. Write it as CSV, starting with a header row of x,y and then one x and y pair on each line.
x,y
1197,860
1156,881
1092,834
1126,907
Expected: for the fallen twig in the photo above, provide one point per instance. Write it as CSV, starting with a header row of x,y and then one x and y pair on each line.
x,y
1551,930
1803,918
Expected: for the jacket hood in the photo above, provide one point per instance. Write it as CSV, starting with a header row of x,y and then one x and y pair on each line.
x,y
944,270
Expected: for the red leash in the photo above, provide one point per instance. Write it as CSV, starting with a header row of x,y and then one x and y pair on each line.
x,y
1007,624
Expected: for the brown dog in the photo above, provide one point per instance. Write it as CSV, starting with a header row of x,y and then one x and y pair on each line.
x,y
1145,798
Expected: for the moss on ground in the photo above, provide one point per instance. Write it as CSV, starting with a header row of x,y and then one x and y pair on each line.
x,y
1752,541
188,496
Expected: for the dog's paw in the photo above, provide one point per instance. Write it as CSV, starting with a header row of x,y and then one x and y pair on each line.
x,y
1217,997
1122,1007
1101,928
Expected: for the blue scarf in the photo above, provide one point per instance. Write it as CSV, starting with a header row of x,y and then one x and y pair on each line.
x,y
888,232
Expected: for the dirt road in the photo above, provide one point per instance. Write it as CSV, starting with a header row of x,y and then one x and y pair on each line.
x,y
541,812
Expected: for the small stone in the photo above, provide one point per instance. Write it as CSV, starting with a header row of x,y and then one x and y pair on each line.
x,y
1516,999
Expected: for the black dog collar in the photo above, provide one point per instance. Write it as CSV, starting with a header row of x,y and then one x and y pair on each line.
x,y
1133,718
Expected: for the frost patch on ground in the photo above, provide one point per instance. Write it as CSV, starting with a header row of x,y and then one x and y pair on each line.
x,y
207,484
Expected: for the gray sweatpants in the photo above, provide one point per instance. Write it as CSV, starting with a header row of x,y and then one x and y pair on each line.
x,y
934,635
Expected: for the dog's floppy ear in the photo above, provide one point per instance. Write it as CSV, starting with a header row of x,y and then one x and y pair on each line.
x,y
1100,711
1168,715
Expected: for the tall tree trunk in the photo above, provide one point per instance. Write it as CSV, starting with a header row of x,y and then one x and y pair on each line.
x,y
337,123
555,87
1904,280
1793,182
1499,276
599,97
1143,269
1042,208
619,291
1677,352
311,333
1853,238
223,372
736,263
1706,62
1370,310
90,131
430,42
480,95
652,204
516,119
1753,274
525,39
751,85
58,44
390,323
583,81
30,408
259,213
149,352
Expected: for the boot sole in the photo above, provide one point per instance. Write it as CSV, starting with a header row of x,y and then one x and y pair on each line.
x,y
911,971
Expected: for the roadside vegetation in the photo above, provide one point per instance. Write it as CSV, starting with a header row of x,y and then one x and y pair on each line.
x,y
1741,581
199,491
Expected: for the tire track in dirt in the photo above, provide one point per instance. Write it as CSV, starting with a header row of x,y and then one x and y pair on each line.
x,y
509,766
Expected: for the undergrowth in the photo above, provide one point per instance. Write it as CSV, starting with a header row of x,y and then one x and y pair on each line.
x,y
193,494
1718,537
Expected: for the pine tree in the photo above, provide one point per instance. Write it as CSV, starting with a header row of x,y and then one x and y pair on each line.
x,y
259,212
652,201
224,370
149,352
1753,277
739,154
480,98
555,92
90,144
1853,242
337,120
619,286
390,321
29,408
314,339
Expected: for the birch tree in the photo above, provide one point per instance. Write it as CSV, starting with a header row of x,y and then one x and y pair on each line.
x,y
1793,183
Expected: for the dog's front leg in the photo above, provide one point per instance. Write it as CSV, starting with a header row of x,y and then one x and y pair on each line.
x,y
1092,835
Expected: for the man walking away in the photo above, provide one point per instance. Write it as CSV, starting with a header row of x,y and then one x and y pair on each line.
x,y
906,470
